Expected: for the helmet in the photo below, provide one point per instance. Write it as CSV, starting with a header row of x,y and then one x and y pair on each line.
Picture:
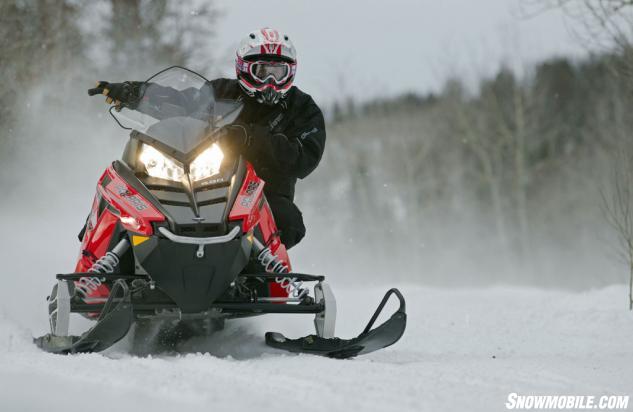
x,y
265,63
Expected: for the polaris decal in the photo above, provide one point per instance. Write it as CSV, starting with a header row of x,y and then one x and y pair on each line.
x,y
212,181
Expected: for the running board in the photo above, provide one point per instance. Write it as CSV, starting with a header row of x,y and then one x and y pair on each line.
x,y
113,324
368,341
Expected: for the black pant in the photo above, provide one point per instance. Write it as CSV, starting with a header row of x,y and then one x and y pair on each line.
x,y
288,218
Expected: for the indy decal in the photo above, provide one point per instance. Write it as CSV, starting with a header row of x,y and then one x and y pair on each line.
x,y
134,200
250,191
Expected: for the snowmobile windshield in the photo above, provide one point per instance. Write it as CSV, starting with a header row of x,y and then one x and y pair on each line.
x,y
179,108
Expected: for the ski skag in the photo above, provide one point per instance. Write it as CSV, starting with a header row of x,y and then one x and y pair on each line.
x,y
368,341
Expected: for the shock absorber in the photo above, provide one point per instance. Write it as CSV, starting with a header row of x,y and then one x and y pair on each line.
x,y
273,264
104,265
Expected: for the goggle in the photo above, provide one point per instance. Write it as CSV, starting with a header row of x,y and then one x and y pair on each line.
x,y
278,72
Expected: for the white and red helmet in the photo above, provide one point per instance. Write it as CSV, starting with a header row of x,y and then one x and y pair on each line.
x,y
266,63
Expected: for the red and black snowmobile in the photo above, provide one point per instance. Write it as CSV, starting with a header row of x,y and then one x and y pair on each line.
x,y
179,233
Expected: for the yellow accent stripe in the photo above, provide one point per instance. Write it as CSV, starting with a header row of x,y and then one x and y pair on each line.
x,y
137,240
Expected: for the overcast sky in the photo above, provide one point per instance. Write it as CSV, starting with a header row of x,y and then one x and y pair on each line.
x,y
370,48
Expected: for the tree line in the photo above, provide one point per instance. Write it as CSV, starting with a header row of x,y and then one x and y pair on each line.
x,y
511,173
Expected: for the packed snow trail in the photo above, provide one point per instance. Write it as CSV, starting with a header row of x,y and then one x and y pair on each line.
x,y
463,350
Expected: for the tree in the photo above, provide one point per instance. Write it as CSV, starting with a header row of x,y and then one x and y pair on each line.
x,y
609,23
147,35
618,208
38,39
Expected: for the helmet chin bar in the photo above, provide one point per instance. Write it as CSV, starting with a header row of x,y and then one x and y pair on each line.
x,y
268,97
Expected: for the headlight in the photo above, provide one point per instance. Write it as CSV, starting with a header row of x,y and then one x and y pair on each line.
x,y
207,163
159,165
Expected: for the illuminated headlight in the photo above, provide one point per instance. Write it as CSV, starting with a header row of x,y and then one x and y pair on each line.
x,y
159,165
207,164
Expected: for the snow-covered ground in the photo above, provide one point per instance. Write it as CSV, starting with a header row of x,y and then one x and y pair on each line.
x,y
463,350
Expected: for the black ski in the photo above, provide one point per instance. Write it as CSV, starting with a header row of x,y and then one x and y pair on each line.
x,y
113,324
368,341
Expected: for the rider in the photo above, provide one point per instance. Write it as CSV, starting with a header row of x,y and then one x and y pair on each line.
x,y
281,130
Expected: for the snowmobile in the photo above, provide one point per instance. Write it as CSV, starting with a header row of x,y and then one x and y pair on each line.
x,y
179,232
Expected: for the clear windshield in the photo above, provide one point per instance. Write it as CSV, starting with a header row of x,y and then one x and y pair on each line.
x,y
179,108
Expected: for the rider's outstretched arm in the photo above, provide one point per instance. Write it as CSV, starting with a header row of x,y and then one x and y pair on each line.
x,y
149,98
124,94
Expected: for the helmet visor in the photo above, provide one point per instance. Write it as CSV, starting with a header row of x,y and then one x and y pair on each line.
x,y
262,71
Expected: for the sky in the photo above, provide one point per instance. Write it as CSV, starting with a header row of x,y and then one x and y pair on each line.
x,y
364,49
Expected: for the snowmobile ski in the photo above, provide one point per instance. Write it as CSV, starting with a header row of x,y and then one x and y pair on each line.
x,y
368,341
112,325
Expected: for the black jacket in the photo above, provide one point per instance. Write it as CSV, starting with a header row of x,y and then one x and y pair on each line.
x,y
287,139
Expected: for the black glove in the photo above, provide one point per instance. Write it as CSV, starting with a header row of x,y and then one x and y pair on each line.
x,y
125,94
252,141
235,138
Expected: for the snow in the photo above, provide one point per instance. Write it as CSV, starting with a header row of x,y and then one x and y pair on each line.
x,y
463,350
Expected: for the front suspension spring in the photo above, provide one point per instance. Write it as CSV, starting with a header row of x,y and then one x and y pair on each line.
x,y
104,265
272,264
